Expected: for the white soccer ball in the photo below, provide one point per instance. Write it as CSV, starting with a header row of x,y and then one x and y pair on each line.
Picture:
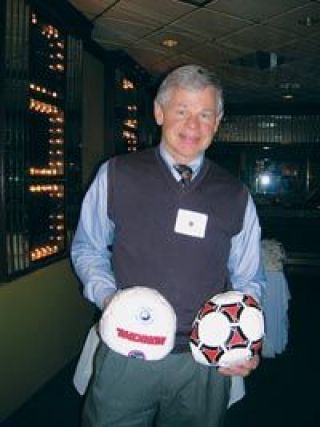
x,y
140,323
228,329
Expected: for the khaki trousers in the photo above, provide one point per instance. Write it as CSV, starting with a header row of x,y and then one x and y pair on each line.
x,y
172,392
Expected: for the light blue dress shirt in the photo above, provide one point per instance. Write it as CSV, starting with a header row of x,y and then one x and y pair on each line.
x,y
91,255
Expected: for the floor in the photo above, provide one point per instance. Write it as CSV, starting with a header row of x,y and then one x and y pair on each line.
x,y
57,404
281,393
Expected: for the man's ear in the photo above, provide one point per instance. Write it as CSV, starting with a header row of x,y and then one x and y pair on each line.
x,y
217,123
158,113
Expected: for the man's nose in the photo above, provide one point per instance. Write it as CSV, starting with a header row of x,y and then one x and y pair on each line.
x,y
192,121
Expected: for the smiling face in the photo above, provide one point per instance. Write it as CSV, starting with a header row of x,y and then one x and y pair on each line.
x,y
189,120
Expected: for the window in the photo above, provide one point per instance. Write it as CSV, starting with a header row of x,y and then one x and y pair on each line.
x,y
40,140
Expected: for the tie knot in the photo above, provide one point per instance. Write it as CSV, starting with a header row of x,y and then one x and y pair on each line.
x,y
185,173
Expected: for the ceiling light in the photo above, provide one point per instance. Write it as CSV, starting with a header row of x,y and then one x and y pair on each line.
x,y
287,96
289,89
169,43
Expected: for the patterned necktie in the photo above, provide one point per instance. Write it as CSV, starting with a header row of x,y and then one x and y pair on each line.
x,y
185,173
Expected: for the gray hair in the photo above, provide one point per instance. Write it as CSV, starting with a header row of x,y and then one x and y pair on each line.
x,y
191,77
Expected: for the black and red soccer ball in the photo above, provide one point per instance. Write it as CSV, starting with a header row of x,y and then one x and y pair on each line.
x,y
228,329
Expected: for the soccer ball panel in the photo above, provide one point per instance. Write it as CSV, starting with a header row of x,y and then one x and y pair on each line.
x,y
217,322
225,298
252,323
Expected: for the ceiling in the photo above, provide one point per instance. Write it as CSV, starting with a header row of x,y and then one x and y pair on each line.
x,y
261,49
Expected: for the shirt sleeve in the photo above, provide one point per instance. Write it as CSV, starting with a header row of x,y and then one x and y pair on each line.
x,y
245,261
91,245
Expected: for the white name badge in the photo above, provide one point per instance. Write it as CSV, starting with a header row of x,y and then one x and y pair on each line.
x,y
191,223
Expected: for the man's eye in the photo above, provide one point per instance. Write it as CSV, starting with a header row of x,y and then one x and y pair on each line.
x,y
206,116
181,113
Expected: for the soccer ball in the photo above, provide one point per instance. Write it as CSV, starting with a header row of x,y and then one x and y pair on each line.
x,y
228,329
139,323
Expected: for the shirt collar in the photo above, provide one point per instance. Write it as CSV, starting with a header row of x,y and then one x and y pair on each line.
x,y
195,164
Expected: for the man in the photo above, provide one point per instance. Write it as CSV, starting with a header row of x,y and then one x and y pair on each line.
x,y
138,205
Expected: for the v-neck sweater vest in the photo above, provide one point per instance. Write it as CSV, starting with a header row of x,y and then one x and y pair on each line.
x,y
143,202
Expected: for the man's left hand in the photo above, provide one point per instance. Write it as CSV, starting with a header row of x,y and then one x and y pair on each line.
x,y
242,369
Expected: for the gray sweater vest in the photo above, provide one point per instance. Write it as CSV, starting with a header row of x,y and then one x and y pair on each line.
x,y
143,201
